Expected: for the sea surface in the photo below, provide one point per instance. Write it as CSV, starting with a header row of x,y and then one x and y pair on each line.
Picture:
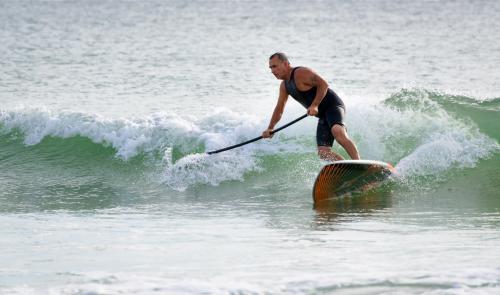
x,y
108,107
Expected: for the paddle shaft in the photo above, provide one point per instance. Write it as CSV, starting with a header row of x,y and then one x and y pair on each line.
x,y
257,138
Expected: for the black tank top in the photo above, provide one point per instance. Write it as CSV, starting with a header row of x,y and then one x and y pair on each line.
x,y
306,98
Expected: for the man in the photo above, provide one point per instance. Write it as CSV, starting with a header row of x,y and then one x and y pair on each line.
x,y
312,91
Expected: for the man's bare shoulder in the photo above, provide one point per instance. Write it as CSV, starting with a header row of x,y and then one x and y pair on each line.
x,y
303,73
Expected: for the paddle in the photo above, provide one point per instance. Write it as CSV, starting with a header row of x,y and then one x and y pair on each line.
x,y
257,138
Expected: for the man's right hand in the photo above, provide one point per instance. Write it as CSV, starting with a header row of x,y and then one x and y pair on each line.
x,y
267,133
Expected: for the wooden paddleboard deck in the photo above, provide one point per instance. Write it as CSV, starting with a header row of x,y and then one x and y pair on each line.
x,y
348,176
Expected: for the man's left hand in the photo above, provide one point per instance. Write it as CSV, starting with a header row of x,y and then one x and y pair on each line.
x,y
312,110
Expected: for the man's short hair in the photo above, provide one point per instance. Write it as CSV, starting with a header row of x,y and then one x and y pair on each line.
x,y
280,55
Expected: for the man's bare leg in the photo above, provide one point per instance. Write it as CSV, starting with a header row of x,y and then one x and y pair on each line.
x,y
340,135
326,153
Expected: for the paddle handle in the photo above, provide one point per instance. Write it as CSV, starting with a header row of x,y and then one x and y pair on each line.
x,y
257,138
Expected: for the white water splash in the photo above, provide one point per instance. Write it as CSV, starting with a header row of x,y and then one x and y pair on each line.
x,y
208,169
440,152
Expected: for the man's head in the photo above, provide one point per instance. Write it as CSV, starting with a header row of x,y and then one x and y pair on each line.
x,y
279,65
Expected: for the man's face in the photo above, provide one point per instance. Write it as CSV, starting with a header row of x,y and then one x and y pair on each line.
x,y
278,68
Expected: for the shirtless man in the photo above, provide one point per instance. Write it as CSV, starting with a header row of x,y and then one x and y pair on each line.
x,y
312,91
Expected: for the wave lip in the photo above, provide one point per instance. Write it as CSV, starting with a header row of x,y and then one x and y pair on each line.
x,y
128,137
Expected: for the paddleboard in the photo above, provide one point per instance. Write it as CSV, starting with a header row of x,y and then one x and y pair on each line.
x,y
348,176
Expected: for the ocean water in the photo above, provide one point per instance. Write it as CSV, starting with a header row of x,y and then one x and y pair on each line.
x,y
108,107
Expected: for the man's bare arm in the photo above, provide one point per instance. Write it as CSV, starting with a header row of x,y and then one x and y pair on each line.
x,y
278,110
